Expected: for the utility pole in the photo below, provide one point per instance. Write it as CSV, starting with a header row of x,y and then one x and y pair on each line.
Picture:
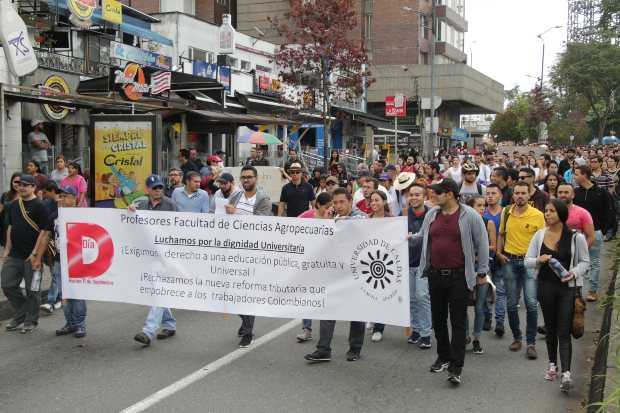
x,y
431,137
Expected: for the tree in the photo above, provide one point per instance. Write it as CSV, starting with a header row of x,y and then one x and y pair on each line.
x,y
591,71
506,126
320,53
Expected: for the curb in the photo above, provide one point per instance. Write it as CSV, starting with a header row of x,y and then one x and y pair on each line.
x,y
6,311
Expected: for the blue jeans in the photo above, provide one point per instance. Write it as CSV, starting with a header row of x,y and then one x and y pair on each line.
x,y
595,261
481,301
55,292
159,316
306,324
517,278
497,275
75,313
419,305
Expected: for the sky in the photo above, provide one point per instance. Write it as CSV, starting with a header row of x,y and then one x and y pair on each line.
x,y
502,38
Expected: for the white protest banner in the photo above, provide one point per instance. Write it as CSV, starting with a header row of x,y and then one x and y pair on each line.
x,y
352,269
269,180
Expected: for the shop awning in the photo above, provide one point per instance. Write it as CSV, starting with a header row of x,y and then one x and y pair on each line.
x,y
261,103
363,117
240,118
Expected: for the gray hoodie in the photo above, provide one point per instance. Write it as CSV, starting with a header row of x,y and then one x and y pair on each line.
x,y
474,239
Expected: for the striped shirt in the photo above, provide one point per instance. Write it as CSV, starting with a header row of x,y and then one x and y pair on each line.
x,y
245,206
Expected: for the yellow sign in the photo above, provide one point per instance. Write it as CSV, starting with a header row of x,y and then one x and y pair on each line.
x,y
112,11
55,86
123,161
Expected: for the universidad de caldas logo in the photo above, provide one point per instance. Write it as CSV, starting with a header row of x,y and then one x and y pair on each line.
x,y
377,267
89,252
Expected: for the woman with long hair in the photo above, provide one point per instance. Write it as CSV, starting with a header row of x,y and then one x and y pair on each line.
x,y
379,208
60,172
551,183
76,181
334,161
33,168
559,258
5,201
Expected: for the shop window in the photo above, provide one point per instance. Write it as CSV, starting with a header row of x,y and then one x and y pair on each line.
x,y
234,63
246,66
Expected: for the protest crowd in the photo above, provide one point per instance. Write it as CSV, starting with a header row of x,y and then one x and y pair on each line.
x,y
484,230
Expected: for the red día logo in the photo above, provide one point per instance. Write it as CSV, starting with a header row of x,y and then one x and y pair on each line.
x,y
89,250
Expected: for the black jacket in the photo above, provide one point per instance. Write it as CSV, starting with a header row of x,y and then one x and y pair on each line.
x,y
598,203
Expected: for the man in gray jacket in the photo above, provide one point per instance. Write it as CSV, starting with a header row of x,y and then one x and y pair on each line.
x,y
455,257
250,201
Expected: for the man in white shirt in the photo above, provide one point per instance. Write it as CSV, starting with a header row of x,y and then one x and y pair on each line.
x,y
454,171
359,194
249,201
392,198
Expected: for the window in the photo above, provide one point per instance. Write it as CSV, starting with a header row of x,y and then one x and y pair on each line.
x,y
234,63
202,55
368,27
246,66
222,2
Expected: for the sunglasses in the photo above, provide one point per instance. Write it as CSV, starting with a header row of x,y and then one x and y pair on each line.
x,y
331,183
295,172
16,182
247,177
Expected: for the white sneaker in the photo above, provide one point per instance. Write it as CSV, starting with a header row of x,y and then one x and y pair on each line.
x,y
552,372
566,382
47,308
58,305
377,336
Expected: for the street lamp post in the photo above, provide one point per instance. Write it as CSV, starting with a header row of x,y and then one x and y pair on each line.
x,y
542,63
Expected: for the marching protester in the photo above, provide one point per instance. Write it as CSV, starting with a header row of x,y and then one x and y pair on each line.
x,y
27,240
227,188
537,198
343,209
500,177
481,291
185,162
559,259
518,225
175,180
157,316
597,202
250,201
51,200
492,213
61,171
368,187
297,196
453,227
579,219
75,180
470,187
324,210
33,168
74,309
190,198
551,183
5,202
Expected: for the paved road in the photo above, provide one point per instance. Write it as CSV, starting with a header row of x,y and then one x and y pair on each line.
x,y
108,371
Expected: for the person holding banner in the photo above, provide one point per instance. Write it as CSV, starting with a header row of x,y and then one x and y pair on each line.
x,y
250,201
343,209
227,188
191,198
459,229
158,316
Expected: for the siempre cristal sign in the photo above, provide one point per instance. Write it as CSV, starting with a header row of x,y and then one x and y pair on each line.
x,y
141,56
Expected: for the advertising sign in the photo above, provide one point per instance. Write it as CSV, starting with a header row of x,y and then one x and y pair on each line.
x,y
204,69
122,159
396,106
82,12
137,55
354,269
55,85
112,11
226,36
225,77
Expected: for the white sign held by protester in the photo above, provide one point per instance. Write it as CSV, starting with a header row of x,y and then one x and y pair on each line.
x,y
351,269
269,180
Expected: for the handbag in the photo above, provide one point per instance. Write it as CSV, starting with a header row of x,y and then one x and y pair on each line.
x,y
50,252
579,306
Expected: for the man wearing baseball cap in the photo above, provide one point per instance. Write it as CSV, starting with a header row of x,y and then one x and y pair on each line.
x,y
226,183
296,195
455,258
158,316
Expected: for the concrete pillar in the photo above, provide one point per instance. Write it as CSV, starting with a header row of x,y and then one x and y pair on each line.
x,y
183,130
83,143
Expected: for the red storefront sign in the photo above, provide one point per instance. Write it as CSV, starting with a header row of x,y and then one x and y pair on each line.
x,y
396,106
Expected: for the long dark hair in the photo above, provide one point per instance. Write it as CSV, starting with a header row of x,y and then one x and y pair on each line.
x,y
567,234
11,194
386,207
546,187
76,166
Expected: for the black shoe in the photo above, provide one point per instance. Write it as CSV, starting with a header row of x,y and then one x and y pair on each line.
x,y
477,347
439,365
240,332
542,330
14,326
28,327
499,330
142,339
424,343
66,330
165,333
246,340
319,356
353,355
414,338
455,378
487,324
80,332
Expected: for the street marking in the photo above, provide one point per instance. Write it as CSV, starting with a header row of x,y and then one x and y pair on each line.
x,y
200,374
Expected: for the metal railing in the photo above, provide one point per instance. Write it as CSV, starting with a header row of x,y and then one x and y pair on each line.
x,y
69,64
312,160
